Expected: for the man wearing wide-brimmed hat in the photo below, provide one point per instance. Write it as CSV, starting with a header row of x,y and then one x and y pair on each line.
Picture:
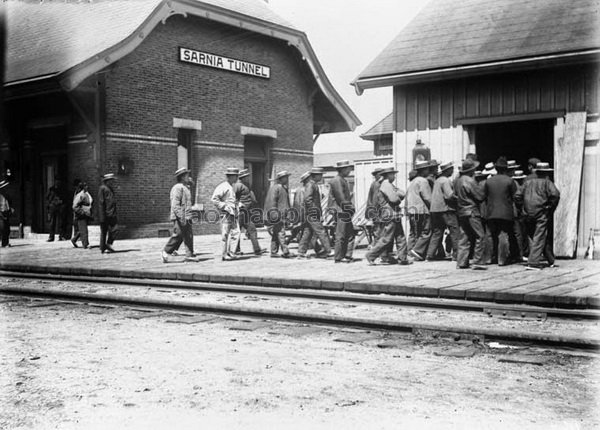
x,y
107,212
224,199
418,201
443,213
313,215
5,212
277,206
181,216
390,216
371,213
469,197
58,201
500,191
344,229
246,202
297,216
539,198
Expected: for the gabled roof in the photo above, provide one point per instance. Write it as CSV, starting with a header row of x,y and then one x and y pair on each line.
x,y
70,40
448,35
382,128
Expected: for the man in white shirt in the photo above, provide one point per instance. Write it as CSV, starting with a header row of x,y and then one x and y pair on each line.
x,y
225,200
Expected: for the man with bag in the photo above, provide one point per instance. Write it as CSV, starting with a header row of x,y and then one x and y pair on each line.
x,y
82,211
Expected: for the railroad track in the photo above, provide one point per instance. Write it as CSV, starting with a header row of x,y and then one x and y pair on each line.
x,y
515,312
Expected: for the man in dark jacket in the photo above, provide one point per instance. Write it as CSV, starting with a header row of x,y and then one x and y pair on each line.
x,y
388,203
469,196
58,204
500,191
313,214
539,198
344,230
107,212
246,201
443,212
277,205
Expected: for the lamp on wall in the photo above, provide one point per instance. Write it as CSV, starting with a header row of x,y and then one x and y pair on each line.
x,y
125,167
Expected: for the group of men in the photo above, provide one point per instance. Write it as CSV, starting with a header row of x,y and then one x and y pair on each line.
x,y
492,216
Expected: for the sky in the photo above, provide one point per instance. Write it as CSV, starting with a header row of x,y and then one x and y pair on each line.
x,y
347,35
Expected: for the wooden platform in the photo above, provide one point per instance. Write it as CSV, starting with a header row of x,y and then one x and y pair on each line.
x,y
575,283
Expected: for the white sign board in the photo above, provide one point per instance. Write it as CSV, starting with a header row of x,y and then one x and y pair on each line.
x,y
224,63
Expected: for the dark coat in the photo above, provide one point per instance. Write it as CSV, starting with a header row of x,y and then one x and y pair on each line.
x,y
277,200
312,199
372,200
341,194
538,196
107,203
500,191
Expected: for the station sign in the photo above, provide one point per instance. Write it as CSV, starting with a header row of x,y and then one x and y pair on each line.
x,y
206,59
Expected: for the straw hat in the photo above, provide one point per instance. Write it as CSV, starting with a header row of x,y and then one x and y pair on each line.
x,y
243,173
232,171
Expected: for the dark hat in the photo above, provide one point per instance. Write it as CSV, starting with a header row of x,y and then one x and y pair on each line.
x,y
343,163
377,171
446,166
316,171
422,164
232,171
533,161
543,167
243,173
468,165
109,176
501,163
181,171
412,175
282,174
305,176
3,184
388,170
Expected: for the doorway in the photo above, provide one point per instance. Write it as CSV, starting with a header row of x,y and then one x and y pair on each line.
x,y
256,160
516,140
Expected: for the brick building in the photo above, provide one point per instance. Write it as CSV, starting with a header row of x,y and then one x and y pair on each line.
x,y
501,77
142,87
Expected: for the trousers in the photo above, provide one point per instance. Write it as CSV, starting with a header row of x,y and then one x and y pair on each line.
x,y
182,233
58,222
108,232
420,227
230,234
539,245
314,228
439,222
277,232
4,230
344,238
81,231
471,231
247,224
390,232
504,240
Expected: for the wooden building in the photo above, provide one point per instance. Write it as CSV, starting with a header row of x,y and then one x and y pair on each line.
x,y
502,77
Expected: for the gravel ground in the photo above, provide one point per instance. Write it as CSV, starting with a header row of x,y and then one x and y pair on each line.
x,y
87,367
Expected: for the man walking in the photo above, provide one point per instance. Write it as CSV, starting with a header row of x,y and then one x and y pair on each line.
x,y
107,211
246,201
277,205
389,199
224,199
181,216
5,212
313,214
82,215
344,230
443,212
418,202
469,196
500,190
539,198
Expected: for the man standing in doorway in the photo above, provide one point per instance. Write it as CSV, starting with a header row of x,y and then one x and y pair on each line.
x,y
313,214
107,211
277,205
344,230
181,216
224,199
418,202
469,196
246,201
500,190
57,210
539,198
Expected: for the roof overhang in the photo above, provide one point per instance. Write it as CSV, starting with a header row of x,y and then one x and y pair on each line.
x,y
502,66
71,78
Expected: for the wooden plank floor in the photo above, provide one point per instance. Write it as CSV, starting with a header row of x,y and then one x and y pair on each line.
x,y
573,283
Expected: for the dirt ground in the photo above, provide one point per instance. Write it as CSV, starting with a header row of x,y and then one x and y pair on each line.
x,y
87,367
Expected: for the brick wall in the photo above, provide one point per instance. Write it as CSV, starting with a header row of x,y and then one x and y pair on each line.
x,y
146,89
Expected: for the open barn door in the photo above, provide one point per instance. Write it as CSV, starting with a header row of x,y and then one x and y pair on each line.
x,y
568,165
